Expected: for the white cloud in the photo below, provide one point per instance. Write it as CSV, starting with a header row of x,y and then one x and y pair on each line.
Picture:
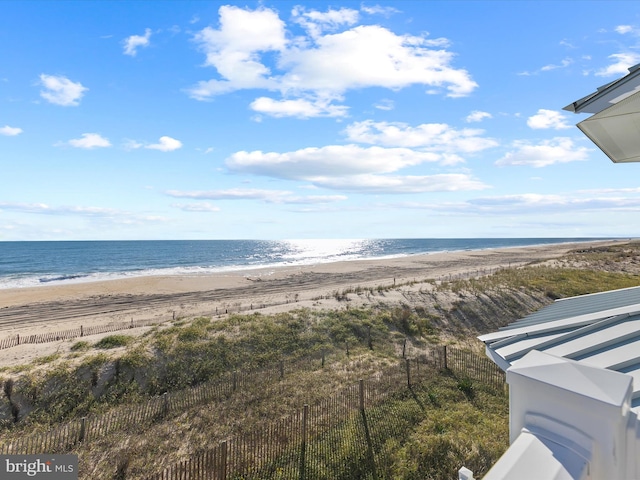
x,y
429,136
379,184
531,204
546,68
548,152
196,207
555,203
548,119
602,191
234,50
378,10
165,144
477,116
60,90
300,108
353,168
622,62
331,161
316,22
132,43
10,131
320,65
372,56
132,144
622,29
87,141
268,196
111,214
565,63
385,104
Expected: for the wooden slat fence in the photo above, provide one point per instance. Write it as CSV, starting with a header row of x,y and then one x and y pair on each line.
x,y
62,439
474,366
304,440
81,331
302,445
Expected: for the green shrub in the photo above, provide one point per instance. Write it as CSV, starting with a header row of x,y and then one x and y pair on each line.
x,y
114,341
46,359
80,346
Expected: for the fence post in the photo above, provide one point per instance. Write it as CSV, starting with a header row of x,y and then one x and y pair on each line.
x,y
303,451
408,373
223,460
404,348
361,385
281,369
83,427
445,357
18,339
235,381
165,404
81,331
323,358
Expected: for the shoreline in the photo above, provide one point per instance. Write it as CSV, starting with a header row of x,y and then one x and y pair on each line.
x,y
406,266
48,309
71,279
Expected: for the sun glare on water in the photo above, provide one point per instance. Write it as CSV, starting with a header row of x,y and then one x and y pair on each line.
x,y
325,249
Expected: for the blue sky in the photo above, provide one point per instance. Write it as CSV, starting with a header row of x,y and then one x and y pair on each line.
x,y
275,120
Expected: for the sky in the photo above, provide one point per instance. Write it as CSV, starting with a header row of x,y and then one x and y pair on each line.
x,y
140,120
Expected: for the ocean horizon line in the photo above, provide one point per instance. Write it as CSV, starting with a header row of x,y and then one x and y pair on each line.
x,y
38,263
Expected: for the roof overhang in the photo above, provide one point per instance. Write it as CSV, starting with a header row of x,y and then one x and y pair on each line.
x,y
616,130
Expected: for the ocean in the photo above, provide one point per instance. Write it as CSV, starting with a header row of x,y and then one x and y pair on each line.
x,y
28,264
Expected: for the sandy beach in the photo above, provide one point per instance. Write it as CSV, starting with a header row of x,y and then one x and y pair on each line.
x,y
53,308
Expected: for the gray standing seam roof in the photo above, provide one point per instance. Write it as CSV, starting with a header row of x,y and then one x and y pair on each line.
x,y
581,305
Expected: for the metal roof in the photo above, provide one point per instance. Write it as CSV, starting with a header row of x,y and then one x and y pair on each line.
x,y
609,94
580,305
599,330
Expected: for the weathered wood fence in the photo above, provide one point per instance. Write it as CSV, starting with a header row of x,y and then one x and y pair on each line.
x,y
63,438
81,331
304,445
288,448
